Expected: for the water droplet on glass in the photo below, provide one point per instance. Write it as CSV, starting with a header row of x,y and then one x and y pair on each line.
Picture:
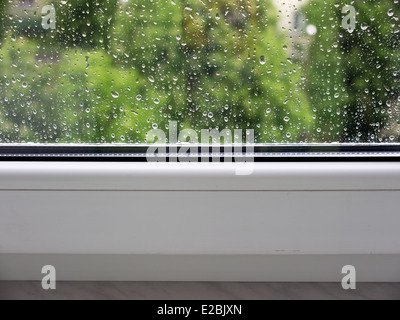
x,y
115,94
311,30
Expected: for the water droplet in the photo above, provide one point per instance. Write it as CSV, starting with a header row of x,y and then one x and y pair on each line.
x,y
364,26
311,30
115,94
390,13
262,60
138,97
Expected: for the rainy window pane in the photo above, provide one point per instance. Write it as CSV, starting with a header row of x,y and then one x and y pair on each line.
x,y
294,71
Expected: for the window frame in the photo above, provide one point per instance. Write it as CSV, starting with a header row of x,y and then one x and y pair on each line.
x,y
202,153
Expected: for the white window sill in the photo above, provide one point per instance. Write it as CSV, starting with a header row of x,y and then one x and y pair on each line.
x,y
141,209
283,176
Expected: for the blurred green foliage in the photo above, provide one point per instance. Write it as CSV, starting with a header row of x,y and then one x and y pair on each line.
x,y
3,16
112,70
353,78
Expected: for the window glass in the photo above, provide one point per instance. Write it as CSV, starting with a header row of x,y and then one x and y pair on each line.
x,y
294,71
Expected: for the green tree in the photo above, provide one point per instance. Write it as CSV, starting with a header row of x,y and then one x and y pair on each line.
x,y
28,108
220,64
112,71
353,78
3,16
85,23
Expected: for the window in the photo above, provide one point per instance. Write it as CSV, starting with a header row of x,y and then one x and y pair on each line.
x,y
303,80
83,71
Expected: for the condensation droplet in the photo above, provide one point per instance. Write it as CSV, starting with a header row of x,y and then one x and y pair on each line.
x,y
115,94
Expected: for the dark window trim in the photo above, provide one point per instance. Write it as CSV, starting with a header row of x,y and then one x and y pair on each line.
x,y
260,153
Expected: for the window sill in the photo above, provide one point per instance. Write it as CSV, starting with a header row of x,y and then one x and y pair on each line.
x,y
139,210
272,176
